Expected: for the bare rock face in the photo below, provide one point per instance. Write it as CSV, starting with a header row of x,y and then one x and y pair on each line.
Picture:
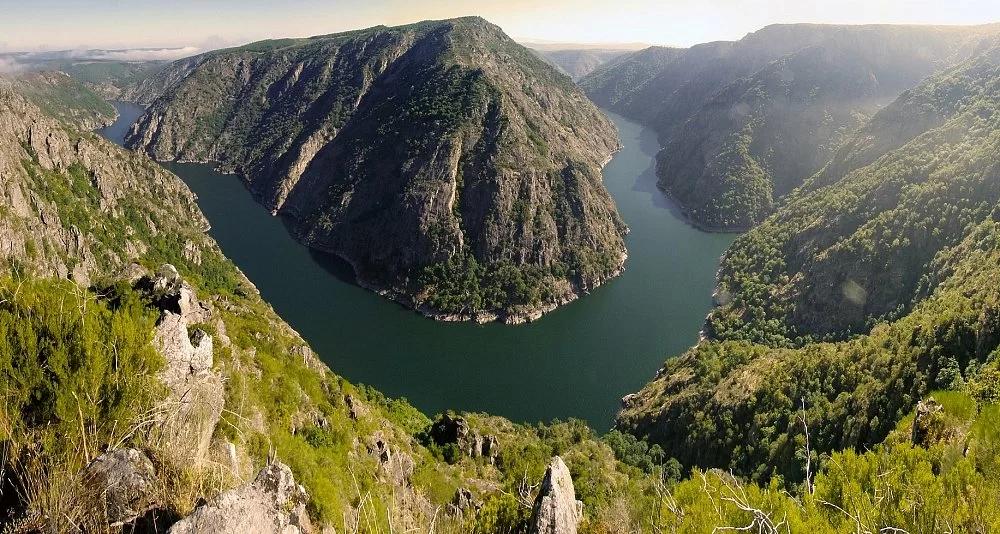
x,y
194,406
124,478
41,156
455,429
273,503
397,466
556,509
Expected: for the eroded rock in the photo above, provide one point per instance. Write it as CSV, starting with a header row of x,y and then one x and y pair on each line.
x,y
272,503
125,479
556,509
194,405
456,429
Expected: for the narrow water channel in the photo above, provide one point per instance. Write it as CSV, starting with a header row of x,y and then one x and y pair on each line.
x,y
577,361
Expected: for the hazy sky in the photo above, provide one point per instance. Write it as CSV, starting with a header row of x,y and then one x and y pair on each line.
x,y
70,24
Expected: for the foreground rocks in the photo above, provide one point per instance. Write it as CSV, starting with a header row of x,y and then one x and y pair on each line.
x,y
196,393
556,509
271,503
455,429
124,479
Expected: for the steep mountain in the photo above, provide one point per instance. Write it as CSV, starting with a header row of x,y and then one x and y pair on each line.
x,y
64,97
577,63
854,299
610,85
453,169
744,123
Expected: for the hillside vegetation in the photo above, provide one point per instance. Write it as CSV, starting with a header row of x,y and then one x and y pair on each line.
x,y
853,301
64,97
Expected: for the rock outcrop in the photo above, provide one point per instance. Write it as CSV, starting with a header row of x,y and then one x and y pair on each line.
x,y
395,466
124,479
196,393
272,503
556,509
456,430
927,423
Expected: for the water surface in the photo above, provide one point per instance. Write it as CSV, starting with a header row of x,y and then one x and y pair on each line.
x,y
577,361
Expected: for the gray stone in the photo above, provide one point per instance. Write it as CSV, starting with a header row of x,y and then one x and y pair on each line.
x,y
125,479
194,405
556,509
273,503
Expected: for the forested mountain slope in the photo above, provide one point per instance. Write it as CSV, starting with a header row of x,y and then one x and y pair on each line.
x,y
896,264
743,123
839,256
452,168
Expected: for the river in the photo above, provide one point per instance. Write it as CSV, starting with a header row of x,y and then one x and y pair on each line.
x,y
577,361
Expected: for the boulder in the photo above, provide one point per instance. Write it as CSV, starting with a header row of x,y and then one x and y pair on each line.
x,y
272,503
125,479
556,509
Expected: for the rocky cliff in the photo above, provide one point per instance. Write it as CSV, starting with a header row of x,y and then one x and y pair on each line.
x,y
453,169
55,179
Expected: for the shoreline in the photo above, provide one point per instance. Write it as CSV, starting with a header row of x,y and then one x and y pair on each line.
x,y
406,300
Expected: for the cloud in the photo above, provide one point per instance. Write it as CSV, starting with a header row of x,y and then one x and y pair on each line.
x,y
141,54
9,65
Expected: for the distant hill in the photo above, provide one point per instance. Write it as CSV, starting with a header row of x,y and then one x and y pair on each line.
x,y
743,123
65,98
577,63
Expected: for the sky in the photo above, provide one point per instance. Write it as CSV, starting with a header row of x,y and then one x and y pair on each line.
x,y
32,25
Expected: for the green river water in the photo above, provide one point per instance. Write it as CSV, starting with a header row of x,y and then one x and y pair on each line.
x,y
577,361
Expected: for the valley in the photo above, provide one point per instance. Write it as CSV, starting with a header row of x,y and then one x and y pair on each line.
x,y
422,278
577,362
